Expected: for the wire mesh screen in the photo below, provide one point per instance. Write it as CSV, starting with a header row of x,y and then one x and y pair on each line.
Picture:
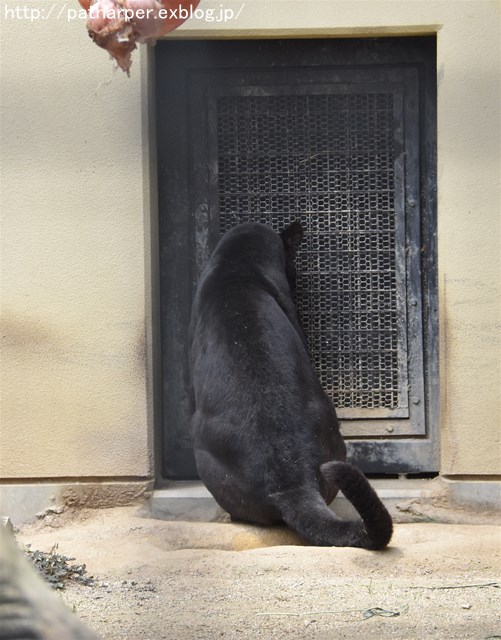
x,y
327,160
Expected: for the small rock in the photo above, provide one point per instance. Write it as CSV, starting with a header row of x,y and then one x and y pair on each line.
x,y
6,524
49,512
466,606
57,510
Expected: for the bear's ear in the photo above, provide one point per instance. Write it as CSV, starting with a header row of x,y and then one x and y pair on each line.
x,y
292,236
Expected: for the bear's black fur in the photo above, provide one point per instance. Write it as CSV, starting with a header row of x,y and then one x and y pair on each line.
x,y
266,436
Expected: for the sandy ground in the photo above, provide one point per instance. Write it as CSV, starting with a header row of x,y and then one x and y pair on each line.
x,y
202,581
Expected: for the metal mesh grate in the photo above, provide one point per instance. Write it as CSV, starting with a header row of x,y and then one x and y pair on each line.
x,y
327,160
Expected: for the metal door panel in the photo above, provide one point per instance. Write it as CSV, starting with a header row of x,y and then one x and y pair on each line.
x,y
340,135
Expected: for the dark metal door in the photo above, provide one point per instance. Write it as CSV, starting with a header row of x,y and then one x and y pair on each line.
x,y
250,134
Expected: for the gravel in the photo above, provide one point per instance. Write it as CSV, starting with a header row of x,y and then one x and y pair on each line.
x,y
203,581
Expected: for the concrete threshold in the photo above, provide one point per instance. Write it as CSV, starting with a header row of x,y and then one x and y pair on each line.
x,y
192,501
408,500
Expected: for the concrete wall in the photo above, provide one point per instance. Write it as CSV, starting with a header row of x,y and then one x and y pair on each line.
x,y
75,230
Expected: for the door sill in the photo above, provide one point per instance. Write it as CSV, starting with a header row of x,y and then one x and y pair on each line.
x,y
408,500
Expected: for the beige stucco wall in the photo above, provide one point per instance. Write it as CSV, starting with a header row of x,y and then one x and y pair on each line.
x,y
74,283
76,209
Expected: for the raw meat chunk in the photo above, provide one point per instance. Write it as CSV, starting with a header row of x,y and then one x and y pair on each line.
x,y
117,25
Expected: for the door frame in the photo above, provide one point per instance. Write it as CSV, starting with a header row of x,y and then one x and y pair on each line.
x,y
399,455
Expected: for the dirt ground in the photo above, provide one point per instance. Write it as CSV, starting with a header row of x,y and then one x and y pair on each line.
x,y
187,581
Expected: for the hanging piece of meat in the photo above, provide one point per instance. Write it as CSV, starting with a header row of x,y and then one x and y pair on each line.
x,y
117,25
